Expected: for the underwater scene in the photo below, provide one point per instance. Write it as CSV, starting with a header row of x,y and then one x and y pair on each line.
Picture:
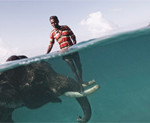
x,y
120,65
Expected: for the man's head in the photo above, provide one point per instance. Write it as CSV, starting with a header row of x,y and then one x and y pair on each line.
x,y
54,21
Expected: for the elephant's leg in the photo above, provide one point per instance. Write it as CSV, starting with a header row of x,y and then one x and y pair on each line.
x,y
85,105
6,115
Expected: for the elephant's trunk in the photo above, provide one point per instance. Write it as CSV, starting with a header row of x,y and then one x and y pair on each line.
x,y
84,103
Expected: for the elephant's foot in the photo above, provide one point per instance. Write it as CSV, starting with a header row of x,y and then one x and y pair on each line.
x,y
85,92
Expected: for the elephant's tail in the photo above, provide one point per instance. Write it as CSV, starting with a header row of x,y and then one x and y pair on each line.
x,y
84,103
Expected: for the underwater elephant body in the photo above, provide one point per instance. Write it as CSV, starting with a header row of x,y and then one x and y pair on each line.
x,y
33,86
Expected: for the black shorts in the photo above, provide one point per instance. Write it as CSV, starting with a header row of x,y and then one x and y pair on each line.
x,y
71,56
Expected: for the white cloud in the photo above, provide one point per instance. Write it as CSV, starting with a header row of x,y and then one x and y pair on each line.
x,y
97,25
6,51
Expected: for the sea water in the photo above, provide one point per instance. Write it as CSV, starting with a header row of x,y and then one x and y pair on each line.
x,y
119,63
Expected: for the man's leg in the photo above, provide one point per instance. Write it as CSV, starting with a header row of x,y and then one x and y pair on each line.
x,y
76,58
73,68
77,61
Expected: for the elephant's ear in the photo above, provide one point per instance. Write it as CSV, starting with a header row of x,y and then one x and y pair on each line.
x,y
9,97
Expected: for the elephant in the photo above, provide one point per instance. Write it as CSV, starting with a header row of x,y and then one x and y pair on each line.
x,y
35,85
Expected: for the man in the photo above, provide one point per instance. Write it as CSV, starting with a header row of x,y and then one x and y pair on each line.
x,y
66,38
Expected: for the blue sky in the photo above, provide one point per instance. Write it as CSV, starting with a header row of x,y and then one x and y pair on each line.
x,y
25,27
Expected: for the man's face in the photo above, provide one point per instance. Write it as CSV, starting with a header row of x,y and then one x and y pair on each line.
x,y
54,23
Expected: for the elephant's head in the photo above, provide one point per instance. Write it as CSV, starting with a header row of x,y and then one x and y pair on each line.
x,y
40,84
52,85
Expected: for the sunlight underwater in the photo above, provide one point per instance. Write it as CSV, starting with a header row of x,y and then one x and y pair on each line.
x,y
120,64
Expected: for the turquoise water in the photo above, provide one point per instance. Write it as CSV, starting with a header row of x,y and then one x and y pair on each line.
x,y
120,64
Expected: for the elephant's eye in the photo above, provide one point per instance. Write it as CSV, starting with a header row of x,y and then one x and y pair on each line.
x,y
54,90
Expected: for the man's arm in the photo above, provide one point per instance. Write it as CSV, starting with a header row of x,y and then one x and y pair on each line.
x,y
73,37
49,48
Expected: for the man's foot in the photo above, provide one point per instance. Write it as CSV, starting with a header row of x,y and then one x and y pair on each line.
x,y
86,84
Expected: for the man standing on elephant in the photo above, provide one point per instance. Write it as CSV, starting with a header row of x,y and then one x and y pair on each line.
x,y
66,38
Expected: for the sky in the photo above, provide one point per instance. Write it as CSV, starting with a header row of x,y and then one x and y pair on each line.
x,y
25,27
